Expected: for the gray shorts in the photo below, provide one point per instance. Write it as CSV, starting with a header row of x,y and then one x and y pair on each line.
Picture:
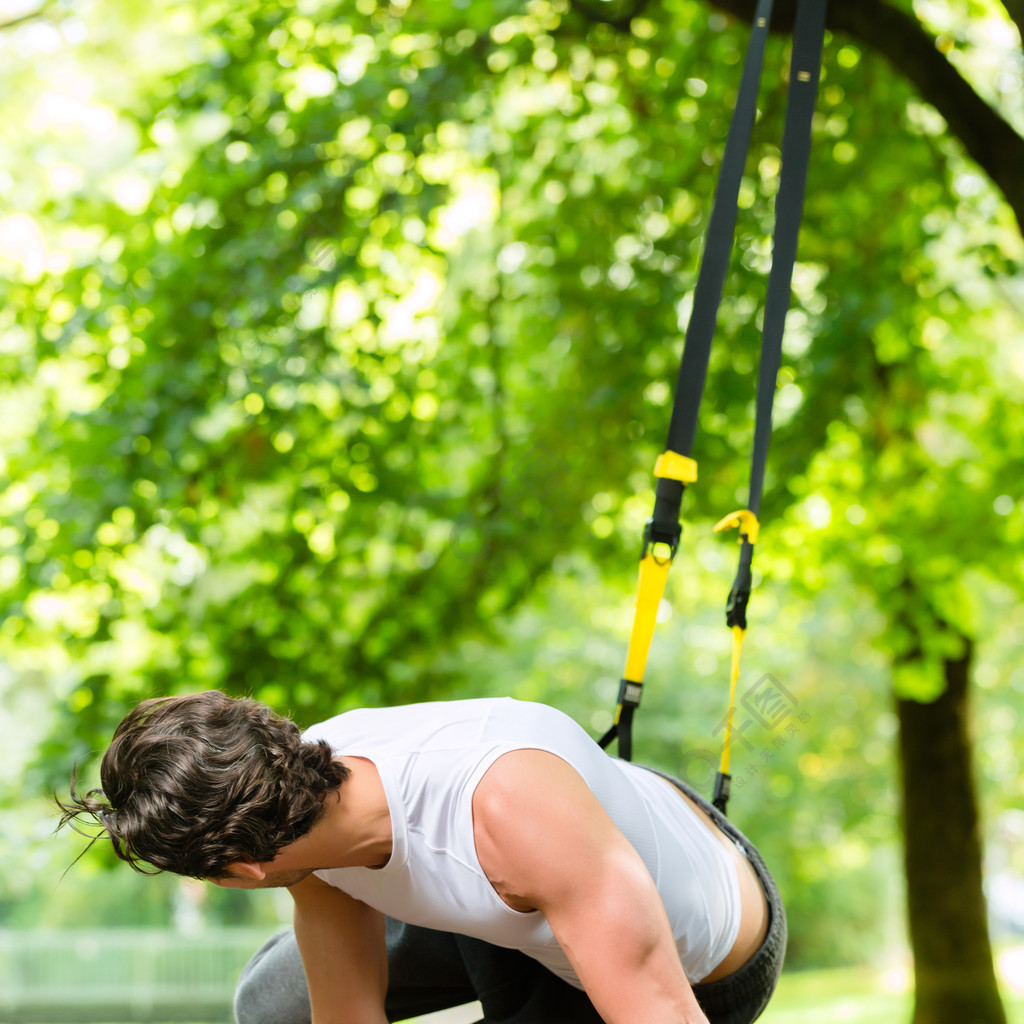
x,y
430,970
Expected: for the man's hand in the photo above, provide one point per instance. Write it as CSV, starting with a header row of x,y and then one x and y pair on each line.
x,y
343,952
546,843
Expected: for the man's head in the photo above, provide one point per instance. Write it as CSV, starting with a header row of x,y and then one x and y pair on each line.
x,y
192,784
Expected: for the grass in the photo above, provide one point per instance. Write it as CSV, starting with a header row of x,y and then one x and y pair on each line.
x,y
842,995
845,995
856,995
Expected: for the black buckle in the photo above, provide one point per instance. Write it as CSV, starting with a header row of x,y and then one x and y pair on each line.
x,y
659,534
630,693
723,786
736,607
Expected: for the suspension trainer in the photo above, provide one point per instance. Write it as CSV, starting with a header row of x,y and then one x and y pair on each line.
x,y
675,468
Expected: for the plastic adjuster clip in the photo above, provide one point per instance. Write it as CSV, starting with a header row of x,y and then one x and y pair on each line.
x,y
630,693
723,786
669,536
673,466
736,607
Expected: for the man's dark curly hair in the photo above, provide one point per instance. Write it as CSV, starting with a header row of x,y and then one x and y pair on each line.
x,y
192,783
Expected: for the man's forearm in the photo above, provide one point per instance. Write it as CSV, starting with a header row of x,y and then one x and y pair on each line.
x,y
643,989
343,953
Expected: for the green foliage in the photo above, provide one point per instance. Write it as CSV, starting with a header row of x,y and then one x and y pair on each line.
x,y
336,344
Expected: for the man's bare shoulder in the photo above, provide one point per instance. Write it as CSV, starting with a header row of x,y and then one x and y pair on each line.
x,y
531,812
525,780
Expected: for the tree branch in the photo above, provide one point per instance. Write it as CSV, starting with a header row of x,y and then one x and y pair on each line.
x,y
619,22
1015,9
989,140
21,19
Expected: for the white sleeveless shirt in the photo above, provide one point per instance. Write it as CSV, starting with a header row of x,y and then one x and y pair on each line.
x,y
431,757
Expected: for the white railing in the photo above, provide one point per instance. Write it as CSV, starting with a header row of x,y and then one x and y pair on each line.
x,y
136,975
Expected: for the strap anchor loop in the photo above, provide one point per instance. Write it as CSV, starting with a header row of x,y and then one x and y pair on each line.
x,y
661,533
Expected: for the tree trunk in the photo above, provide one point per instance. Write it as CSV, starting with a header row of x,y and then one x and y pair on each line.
x,y
954,977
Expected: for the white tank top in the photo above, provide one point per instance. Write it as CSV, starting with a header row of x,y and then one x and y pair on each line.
x,y
431,757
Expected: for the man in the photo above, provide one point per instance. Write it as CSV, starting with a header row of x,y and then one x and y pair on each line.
x,y
442,852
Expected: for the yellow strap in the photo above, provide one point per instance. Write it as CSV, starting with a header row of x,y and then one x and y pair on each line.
x,y
651,586
745,520
737,646
674,466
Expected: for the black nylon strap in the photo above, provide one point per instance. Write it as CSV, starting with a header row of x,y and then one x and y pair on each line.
x,y
664,525
714,265
804,73
622,730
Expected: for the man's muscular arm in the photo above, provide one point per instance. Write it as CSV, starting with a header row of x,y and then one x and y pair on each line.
x,y
343,952
545,842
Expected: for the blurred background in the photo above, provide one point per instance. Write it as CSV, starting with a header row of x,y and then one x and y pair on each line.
x,y
337,343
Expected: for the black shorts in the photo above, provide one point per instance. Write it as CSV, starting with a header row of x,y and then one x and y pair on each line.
x,y
742,996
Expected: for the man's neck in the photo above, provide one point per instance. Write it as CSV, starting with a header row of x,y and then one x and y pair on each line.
x,y
355,830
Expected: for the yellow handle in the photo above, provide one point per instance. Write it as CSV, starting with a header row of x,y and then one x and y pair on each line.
x,y
737,647
650,587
